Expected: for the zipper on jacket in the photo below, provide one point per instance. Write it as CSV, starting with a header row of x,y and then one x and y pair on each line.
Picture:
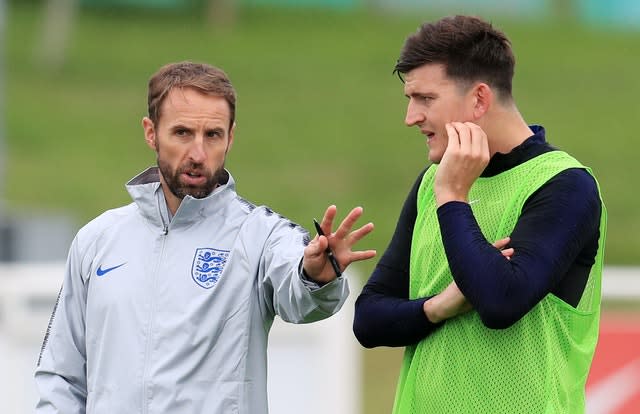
x,y
161,212
152,311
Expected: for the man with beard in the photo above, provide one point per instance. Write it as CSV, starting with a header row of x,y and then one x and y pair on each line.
x,y
167,303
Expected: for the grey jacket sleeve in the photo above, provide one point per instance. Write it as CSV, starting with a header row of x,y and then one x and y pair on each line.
x,y
61,371
285,291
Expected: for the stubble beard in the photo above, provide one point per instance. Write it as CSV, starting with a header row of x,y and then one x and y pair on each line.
x,y
180,189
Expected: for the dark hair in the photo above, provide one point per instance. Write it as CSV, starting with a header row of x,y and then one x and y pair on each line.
x,y
470,49
205,78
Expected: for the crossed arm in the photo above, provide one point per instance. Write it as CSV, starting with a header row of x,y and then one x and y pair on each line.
x,y
501,291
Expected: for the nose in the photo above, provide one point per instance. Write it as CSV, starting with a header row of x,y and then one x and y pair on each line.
x,y
414,115
197,153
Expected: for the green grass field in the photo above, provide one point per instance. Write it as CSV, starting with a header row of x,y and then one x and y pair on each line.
x,y
320,117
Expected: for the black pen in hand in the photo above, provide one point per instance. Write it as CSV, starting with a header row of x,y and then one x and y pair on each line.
x,y
332,259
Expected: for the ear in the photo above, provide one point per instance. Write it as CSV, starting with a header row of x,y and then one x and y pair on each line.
x,y
149,132
231,135
482,99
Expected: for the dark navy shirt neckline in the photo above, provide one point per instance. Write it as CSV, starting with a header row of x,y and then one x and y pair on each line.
x,y
533,146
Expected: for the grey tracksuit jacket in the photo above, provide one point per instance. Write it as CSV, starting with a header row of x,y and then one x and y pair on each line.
x,y
158,316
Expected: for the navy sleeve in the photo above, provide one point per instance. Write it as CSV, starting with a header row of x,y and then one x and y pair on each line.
x,y
558,223
384,314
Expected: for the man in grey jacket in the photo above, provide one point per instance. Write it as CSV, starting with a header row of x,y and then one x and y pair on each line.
x,y
167,302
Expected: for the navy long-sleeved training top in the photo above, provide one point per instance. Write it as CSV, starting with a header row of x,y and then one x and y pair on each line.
x,y
555,242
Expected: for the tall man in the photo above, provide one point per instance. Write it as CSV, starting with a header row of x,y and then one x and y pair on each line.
x,y
485,330
167,302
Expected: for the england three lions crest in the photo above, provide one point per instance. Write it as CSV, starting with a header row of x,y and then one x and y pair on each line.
x,y
208,265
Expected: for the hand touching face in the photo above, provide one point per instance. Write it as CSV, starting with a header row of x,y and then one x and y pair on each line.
x,y
466,156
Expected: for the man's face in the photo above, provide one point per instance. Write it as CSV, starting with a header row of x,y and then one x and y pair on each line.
x,y
191,140
435,100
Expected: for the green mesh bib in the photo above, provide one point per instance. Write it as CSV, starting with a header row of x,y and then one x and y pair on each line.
x,y
538,365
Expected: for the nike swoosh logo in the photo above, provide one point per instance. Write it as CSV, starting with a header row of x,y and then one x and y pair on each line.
x,y
102,272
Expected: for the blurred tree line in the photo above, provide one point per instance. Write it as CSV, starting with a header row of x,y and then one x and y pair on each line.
x,y
59,16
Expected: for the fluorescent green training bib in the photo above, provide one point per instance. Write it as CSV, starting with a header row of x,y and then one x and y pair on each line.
x,y
538,365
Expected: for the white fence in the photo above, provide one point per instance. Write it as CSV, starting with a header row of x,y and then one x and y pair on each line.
x,y
313,368
303,359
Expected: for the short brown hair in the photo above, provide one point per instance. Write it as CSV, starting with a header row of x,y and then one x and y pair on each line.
x,y
205,78
470,48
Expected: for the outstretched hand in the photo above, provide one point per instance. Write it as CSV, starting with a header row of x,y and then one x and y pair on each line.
x,y
316,261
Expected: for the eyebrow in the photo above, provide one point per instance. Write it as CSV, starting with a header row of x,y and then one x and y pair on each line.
x,y
179,125
216,129
418,93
